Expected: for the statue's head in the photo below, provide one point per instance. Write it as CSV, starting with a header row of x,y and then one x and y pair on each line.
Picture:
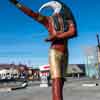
x,y
58,8
61,9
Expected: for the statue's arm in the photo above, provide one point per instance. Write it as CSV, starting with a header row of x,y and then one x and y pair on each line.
x,y
36,16
70,32
67,34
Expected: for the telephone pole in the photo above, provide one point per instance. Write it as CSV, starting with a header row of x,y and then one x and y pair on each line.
x,y
98,49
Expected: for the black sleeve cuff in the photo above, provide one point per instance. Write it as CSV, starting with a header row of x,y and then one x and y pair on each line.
x,y
14,1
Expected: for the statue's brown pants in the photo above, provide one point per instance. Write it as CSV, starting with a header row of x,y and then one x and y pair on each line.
x,y
58,64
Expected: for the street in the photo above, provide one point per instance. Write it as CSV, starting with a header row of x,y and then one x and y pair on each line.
x,y
73,90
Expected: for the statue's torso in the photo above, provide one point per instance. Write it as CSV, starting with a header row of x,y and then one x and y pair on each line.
x,y
56,25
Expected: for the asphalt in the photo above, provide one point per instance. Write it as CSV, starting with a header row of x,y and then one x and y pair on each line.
x,y
74,89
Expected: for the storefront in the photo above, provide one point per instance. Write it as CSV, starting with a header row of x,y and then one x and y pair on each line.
x,y
44,75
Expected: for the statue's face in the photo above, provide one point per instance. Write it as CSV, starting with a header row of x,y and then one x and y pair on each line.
x,y
56,6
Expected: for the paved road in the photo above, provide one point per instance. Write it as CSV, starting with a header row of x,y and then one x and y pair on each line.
x,y
73,90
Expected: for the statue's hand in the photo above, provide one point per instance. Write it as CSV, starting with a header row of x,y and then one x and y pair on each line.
x,y
51,38
13,1
57,34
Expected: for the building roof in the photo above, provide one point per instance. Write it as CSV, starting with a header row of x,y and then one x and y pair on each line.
x,y
75,68
7,66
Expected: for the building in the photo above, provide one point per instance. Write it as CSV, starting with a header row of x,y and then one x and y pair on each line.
x,y
11,71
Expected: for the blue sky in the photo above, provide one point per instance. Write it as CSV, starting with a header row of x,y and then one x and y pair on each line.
x,y
22,38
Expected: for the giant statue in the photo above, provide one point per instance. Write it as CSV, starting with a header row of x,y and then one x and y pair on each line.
x,y
61,27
